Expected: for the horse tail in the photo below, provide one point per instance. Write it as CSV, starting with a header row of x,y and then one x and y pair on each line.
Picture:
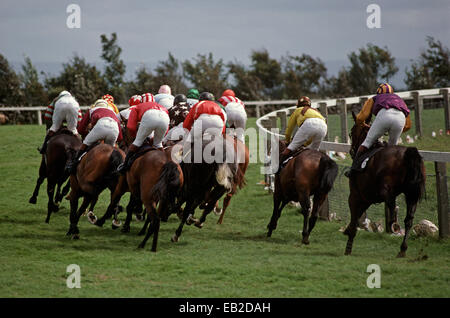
x,y
415,176
225,176
329,171
168,184
115,159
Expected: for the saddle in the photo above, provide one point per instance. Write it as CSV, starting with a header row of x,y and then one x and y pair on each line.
x,y
291,156
360,163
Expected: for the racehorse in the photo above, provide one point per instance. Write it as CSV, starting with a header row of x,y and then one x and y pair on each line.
x,y
239,182
389,172
60,148
204,180
95,172
309,173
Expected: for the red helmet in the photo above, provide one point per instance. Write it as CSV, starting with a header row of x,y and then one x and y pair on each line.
x,y
148,97
303,101
228,92
135,100
108,98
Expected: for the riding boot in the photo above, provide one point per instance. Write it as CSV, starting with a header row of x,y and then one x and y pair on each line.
x,y
43,148
124,166
71,166
284,155
359,153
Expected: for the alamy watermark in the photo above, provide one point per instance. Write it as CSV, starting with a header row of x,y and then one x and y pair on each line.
x,y
73,20
374,279
74,279
374,19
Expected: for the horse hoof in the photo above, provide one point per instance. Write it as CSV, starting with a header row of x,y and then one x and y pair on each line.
x,y
141,245
348,252
47,220
139,217
125,229
174,238
306,242
55,208
199,225
32,200
92,218
76,237
401,254
116,224
217,211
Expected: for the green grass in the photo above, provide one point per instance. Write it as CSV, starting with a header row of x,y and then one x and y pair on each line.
x,y
234,259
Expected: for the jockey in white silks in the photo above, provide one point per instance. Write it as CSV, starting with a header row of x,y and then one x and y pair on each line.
x,y
236,114
165,97
64,107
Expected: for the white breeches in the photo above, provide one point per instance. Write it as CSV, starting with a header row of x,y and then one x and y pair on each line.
x,y
389,120
66,109
237,117
176,133
312,128
206,123
153,121
105,129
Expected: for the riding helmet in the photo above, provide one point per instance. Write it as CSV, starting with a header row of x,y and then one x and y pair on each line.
x,y
206,96
180,98
385,88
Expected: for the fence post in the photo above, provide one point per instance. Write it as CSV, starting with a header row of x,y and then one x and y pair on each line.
x,y
445,96
324,111
418,104
342,106
283,121
39,117
258,111
442,198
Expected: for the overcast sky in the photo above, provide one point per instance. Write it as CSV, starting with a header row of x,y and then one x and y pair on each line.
x,y
147,30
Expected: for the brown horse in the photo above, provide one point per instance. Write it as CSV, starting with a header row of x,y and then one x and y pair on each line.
x,y
60,148
311,172
153,178
390,172
95,172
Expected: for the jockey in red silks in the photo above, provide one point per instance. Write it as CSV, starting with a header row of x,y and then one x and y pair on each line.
x,y
153,119
236,114
63,107
100,122
205,116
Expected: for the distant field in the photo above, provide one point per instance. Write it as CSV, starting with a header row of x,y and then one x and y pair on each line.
x,y
234,259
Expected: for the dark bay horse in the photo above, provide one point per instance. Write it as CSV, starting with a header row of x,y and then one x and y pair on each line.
x,y
390,172
309,173
204,180
95,172
60,148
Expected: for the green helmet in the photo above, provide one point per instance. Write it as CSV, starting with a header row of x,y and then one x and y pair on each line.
x,y
193,93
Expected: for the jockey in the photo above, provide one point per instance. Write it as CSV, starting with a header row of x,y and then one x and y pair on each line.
x,y
133,101
392,115
210,96
177,115
206,114
192,97
100,122
153,118
312,128
236,115
110,100
63,107
164,96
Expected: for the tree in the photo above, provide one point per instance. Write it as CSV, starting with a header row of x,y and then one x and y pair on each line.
x,y
432,69
268,71
10,92
145,82
245,85
80,78
33,91
370,67
170,72
303,75
115,67
205,74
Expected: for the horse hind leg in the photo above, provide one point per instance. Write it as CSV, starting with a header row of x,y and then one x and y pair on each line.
x,y
317,202
357,208
226,202
51,206
63,192
151,215
41,178
278,205
410,211
305,210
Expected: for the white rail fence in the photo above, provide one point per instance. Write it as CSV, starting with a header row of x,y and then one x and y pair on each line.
x,y
275,121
